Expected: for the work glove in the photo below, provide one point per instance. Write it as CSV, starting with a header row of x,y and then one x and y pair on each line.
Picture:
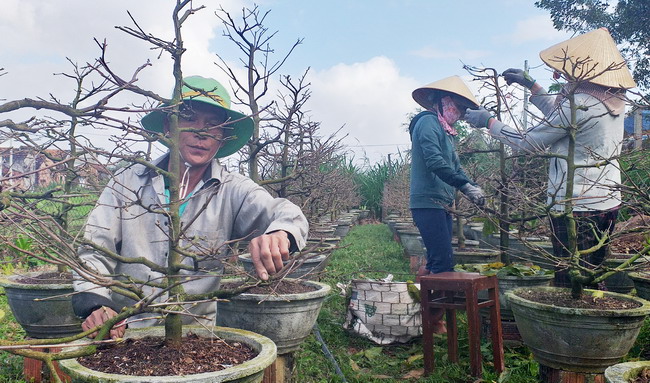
x,y
478,117
519,76
474,193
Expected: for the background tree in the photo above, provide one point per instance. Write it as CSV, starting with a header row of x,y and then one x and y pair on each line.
x,y
626,20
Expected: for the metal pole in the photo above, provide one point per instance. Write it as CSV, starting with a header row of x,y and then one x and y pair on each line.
x,y
638,129
526,93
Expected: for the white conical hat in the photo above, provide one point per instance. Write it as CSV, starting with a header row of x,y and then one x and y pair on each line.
x,y
453,84
591,53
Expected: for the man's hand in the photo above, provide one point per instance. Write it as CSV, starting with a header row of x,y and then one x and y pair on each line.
x,y
474,193
98,317
268,251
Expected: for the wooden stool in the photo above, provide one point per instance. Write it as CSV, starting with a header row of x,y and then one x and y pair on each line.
x,y
451,291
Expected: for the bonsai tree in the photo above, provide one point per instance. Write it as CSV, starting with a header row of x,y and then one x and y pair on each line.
x,y
189,257
513,176
576,163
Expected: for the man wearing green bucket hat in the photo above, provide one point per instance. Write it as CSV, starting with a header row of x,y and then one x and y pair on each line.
x,y
216,206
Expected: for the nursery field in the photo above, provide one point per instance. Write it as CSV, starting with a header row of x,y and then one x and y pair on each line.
x,y
368,251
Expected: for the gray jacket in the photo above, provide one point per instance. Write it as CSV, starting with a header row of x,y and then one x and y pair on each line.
x,y
598,138
223,206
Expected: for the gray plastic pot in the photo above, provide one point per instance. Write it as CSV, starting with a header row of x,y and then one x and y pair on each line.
x,y
641,284
309,269
287,319
41,318
573,339
511,282
473,255
251,371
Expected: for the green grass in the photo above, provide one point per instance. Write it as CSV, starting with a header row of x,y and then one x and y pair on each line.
x,y
370,252
10,365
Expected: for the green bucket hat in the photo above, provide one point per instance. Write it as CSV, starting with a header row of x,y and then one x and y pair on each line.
x,y
213,93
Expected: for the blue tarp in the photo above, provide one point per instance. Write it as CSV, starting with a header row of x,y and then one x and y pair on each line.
x,y
629,122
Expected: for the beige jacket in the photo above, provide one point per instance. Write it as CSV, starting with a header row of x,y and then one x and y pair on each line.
x,y
223,206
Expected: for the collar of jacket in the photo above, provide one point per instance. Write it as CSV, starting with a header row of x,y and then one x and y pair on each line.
x,y
214,171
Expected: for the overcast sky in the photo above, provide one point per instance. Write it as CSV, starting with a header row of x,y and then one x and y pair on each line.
x,y
365,56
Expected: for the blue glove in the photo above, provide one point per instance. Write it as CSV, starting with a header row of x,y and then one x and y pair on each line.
x,y
478,117
474,193
519,76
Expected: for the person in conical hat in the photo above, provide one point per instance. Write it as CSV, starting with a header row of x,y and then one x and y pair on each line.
x,y
596,77
436,173
216,207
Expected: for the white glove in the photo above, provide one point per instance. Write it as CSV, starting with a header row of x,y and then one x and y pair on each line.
x,y
474,193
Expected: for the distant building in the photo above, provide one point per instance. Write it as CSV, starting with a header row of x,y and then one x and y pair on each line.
x,y
28,169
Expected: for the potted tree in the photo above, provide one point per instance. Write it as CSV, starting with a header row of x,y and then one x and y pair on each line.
x,y
579,318
188,258
48,188
506,223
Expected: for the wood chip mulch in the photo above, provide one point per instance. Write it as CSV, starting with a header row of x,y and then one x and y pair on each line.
x,y
47,278
281,287
151,356
563,298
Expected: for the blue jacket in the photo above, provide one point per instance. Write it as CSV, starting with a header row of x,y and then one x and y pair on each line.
x,y
435,167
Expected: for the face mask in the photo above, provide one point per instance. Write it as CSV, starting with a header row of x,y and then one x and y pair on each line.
x,y
450,112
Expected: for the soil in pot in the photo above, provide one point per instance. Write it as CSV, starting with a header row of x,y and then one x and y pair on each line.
x,y
46,278
630,243
282,287
587,301
151,356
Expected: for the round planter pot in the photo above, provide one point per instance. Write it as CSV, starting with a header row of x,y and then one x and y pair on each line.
x,y
310,269
410,240
47,318
475,255
250,371
625,372
620,282
328,241
521,253
511,282
287,319
321,232
577,340
641,284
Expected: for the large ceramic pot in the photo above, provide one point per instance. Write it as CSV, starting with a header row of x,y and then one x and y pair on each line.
x,y
41,318
578,340
309,269
625,372
641,284
620,282
247,372
509,329
286,318
410,240
511,282
473,255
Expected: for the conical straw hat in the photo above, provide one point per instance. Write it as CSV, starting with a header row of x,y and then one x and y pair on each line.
x,y
453,84
591,54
